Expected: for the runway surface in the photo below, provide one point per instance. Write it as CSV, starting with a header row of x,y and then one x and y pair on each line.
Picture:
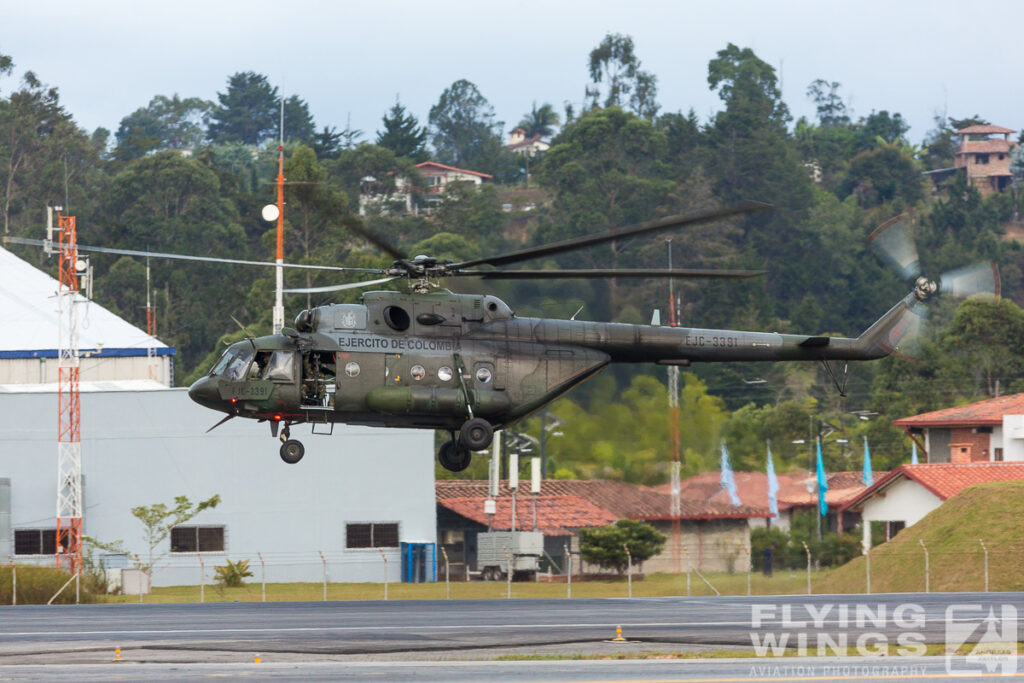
x,y
296,638
746,670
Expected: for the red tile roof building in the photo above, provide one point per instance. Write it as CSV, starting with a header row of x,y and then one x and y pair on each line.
x,y
714,534
908,493
986,159
986,431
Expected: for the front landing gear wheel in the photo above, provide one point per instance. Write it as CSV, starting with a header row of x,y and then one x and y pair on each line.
x,y
292,451
476,434
453,457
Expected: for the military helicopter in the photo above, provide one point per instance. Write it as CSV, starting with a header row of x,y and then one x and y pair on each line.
x,y
465,363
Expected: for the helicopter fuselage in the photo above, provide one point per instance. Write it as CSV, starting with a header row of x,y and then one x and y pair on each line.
x,y
433,360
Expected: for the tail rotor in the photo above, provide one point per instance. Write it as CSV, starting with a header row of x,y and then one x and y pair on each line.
x,y
894,244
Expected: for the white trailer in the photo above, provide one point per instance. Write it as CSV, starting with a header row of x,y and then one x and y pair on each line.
x,y
494,549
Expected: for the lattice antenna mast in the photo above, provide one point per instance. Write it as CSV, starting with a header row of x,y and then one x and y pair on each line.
x,y
69,442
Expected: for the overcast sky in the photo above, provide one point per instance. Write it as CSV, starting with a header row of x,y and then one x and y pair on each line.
x,y
109,57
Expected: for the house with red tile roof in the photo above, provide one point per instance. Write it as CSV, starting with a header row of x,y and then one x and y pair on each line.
x,y
714,536
436,178
908,493
985,431
531,146
984,153
798,491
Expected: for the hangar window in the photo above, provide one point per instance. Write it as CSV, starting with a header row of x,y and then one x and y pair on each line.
x,y
371,535
35,541
197,539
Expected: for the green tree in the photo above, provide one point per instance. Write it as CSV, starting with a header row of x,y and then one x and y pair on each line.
x,y
403,135
165,123
881,175
44,157
606,546
463,128
881,128
831,108
167,202
627,437
157,521
313,231
327,143
298,122
542,121
249,110
605,171
617,79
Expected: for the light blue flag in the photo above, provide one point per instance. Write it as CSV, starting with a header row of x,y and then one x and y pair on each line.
x,y
913,452
868,478
773,487
728,481
822,484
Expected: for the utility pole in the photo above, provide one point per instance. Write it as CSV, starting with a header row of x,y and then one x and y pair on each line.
x,y
673,419
279,268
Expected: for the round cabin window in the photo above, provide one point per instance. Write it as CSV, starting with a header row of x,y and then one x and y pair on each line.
x,y
352,369
483,375
397,318
417,372
444,373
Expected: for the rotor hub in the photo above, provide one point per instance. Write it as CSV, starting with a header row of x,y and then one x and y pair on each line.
x,y
924,288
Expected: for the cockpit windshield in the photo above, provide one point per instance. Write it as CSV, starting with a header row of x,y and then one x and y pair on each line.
x,y
233,363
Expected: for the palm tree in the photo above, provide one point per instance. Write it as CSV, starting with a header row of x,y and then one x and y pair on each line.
x,y
540,121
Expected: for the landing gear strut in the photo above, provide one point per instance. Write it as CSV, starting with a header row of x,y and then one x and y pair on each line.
x,y
453,456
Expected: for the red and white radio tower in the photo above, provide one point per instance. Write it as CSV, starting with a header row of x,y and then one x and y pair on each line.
x,y
69,442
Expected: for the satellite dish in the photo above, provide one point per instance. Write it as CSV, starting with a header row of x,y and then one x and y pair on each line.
x,y
270,213
81,265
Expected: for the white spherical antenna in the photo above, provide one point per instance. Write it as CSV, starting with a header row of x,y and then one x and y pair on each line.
x,y
270,213
81,266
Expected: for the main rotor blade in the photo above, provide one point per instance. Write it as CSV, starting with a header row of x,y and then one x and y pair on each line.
x,y
184,257
356,226
609,273
893,242
639,229
978,278
336,288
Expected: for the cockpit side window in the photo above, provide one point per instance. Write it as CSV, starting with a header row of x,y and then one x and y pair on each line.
x,y
280,366
223,362
234,364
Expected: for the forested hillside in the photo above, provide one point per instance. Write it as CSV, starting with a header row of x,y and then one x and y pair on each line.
x,y
186,175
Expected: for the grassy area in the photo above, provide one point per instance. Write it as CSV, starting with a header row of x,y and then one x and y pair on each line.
x,y
993,512
655,585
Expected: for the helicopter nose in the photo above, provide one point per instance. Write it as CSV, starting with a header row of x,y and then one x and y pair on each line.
x,y
204,392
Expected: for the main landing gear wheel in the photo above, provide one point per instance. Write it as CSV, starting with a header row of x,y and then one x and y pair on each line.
x,y
476,434
454,457
292,451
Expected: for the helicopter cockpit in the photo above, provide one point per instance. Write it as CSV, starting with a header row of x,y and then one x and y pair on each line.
x,y
234,363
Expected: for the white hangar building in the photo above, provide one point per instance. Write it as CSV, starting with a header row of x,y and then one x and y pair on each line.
x,y
359,504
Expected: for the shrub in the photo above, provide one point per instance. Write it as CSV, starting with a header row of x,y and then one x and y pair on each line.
x,y
37,584
231,574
